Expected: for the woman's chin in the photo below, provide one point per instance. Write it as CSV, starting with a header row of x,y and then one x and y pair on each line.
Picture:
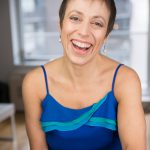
x,y
80,61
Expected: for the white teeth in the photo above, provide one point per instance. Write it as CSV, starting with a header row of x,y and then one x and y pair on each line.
x,y
81,45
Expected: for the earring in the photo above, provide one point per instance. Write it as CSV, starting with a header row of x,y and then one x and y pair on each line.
x,y
104,49
59,39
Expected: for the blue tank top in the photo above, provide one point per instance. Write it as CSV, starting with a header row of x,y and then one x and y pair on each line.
x,y
89,128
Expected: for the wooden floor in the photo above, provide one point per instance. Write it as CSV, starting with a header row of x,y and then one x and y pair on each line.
x,y
22,140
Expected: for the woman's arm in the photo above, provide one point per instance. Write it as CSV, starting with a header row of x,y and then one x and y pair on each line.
x,y
131,119
33,111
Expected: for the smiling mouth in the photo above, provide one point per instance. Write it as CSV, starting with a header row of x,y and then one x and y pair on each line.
x,y
81,45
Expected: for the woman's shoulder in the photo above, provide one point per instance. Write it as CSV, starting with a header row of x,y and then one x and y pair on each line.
x,y
32,75
127,76
127,83
32,81
126,80
125,73
35,75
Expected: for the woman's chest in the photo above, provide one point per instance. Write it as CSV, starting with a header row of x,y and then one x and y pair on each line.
x,y
85,96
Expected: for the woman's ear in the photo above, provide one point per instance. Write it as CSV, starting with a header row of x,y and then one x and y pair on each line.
x,y
59,27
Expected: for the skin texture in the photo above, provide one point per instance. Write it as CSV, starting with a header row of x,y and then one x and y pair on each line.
x,y
75,74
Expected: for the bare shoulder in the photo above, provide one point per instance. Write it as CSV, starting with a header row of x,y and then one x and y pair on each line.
x,y
127,83
32,75
33,82
127,80
128,74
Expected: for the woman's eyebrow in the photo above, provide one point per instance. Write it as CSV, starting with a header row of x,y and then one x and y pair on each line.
x,y
76,11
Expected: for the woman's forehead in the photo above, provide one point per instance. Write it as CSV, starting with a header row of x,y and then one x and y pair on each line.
x,y
94,7
87,3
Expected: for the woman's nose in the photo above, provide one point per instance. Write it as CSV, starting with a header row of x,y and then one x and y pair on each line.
x,y
84,29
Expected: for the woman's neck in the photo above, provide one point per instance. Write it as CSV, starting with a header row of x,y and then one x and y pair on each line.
x,y
82,74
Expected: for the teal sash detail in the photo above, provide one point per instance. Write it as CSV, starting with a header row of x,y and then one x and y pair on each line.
x,y
85,119
103,122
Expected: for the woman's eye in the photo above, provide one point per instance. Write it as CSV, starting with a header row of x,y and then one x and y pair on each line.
x,y
75,18
97,24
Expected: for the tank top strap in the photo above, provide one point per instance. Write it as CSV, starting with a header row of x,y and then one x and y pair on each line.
x,y
115,74
45,77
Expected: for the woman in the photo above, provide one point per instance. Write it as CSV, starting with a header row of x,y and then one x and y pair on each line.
x,y
84,100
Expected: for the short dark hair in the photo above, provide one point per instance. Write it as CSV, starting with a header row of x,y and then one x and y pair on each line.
x,y
110,4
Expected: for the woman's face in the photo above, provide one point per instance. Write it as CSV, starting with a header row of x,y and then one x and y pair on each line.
x,y
84,29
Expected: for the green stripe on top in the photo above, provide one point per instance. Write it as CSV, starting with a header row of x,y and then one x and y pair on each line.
x,y
93,121
47,126
103,122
